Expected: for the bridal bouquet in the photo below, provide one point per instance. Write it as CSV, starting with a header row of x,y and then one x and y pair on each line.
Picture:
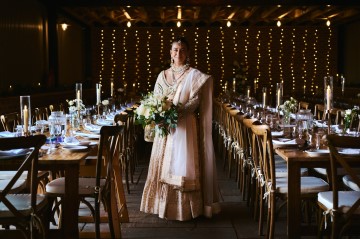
x,y
158,111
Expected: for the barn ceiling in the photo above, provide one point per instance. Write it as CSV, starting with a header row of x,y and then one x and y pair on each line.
x,y
101,13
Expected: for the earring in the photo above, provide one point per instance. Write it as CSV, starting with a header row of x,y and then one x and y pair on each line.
x,y
188,61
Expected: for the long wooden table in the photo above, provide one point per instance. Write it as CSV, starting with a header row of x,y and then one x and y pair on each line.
x,y
297,159
68,162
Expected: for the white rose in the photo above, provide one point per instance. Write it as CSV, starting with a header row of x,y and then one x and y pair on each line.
x,y
105,102
347,112
140,110
147,113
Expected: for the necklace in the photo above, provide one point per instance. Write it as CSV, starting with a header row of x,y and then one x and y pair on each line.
x,y
176,79
179,69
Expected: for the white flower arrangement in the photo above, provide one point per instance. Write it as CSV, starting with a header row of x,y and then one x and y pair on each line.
x,y
105,102
73,105
289,106
158,110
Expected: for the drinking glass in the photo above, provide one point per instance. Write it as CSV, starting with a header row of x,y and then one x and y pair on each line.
x,y
52,134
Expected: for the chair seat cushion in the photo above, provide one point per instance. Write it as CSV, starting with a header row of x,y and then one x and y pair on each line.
x,y
281,171
346,200
22,203
19,185
350,183
340,171
308,185
86,186
10,174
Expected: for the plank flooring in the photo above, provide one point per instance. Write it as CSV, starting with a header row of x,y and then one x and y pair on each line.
x,y
234,222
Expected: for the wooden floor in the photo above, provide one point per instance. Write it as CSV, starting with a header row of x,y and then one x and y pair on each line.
x,y
234,221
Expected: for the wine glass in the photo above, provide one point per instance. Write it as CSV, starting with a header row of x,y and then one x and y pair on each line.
x,y
52,134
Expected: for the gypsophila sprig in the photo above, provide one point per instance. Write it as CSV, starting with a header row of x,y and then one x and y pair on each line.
x,y
158,110
289,105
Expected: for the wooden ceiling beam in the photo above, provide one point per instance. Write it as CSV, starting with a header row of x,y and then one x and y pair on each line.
x,y
97,3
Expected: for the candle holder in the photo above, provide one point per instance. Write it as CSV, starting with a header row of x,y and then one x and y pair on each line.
x,y
248,88
342,85
25,109
328,92
264,97
98,97
328,113
78,94
112,88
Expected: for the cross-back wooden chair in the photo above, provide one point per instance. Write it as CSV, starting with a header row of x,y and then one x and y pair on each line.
x,y
106,186
41,113
303,105
26,211
10,121
342,207
273,187
319,111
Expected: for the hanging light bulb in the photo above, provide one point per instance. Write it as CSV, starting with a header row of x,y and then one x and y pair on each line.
x,y
178,24
228,24
328,23
128,24
64,26
278,23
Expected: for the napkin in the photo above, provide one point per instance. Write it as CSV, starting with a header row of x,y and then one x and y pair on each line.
x,y
92,127
277,133
104,122
283,141
71,140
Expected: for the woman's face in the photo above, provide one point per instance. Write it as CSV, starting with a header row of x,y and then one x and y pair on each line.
x,y
179,53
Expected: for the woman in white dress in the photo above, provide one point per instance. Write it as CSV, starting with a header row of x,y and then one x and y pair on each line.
x,y
181,183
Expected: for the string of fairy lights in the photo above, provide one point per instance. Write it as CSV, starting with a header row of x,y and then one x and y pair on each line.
x,y
304,75
222,57
293,51
126,61
315,62
269,47
196,43
102,67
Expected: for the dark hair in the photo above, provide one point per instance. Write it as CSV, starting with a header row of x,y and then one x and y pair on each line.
x,y
182,40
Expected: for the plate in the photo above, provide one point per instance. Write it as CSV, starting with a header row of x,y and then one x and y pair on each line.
x,y
90,136
318,151
75,147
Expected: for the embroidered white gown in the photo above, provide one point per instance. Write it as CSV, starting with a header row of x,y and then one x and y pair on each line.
x,y
181,182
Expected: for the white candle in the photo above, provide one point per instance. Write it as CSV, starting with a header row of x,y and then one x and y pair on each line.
x,y
26,119
78,99
234,84
98,94
278,97
328,97
264,99
248,93
112,89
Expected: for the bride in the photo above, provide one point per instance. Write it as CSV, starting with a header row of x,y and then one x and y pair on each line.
x,y
181,183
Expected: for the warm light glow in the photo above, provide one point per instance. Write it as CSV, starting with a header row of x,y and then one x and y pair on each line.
x,y
178,24
128,24
278,23
228,24
179,13
328,23
64,26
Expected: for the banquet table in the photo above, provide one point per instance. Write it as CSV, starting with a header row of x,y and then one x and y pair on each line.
x,y
297,159
68,162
